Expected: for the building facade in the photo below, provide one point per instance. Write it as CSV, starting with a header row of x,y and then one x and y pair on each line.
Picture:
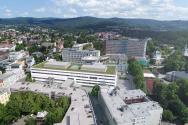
x,y
130,47
174,75
4,95
88,75
157,57
116,46
11,76
75,55
117,59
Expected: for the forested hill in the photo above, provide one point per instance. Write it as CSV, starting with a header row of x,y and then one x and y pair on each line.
x,y
98,24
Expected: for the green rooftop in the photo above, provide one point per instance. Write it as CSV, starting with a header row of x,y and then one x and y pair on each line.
x,y
75,67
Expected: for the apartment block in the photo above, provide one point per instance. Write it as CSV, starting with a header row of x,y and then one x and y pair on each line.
x,y
76,55
130,47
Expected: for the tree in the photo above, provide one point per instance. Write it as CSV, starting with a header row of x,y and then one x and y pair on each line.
x,y
170,97
20,47
151,46
33,48
168,116
95,90
174,62
98,45
69,41
38,59
30,121
186,67
25,103
179,109
82,38
28,77
57,57
13,107
27,107
2,69
136,70
50,118
183,90
2,113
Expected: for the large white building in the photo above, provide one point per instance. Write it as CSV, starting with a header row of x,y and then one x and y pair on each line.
x,y
76,55
89,75
129,46
130,108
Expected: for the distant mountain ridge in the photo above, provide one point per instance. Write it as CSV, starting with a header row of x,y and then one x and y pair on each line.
x,y
93,23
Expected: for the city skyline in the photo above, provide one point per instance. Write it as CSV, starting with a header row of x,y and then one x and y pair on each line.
x,y
150,9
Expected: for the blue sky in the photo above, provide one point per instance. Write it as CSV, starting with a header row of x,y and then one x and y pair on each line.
x,y
151,9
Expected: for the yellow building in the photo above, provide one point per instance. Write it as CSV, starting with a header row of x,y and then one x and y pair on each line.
x,y
4,95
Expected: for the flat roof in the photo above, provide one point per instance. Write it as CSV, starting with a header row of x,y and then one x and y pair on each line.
x,y
149,75
4,90
179,74
90,58
6,75
131,111
133,94
76,67
95,67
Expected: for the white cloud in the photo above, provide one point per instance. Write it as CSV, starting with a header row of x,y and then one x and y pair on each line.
x,y
157,9
56,11
25,14
40,10
7,12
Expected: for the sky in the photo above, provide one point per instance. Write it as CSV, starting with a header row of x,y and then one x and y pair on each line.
x,y
149,9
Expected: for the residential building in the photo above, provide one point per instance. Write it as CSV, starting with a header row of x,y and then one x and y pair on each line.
x,y
6,46
11,76
130,47
41,116
14,66
157,57
75,55
90,59
174,75
129,108
30,61
137,47
185,53
81,46
13,56
3,56
116,46
149,78
14,59
4,95
59,45
37,54
107,35
87,74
